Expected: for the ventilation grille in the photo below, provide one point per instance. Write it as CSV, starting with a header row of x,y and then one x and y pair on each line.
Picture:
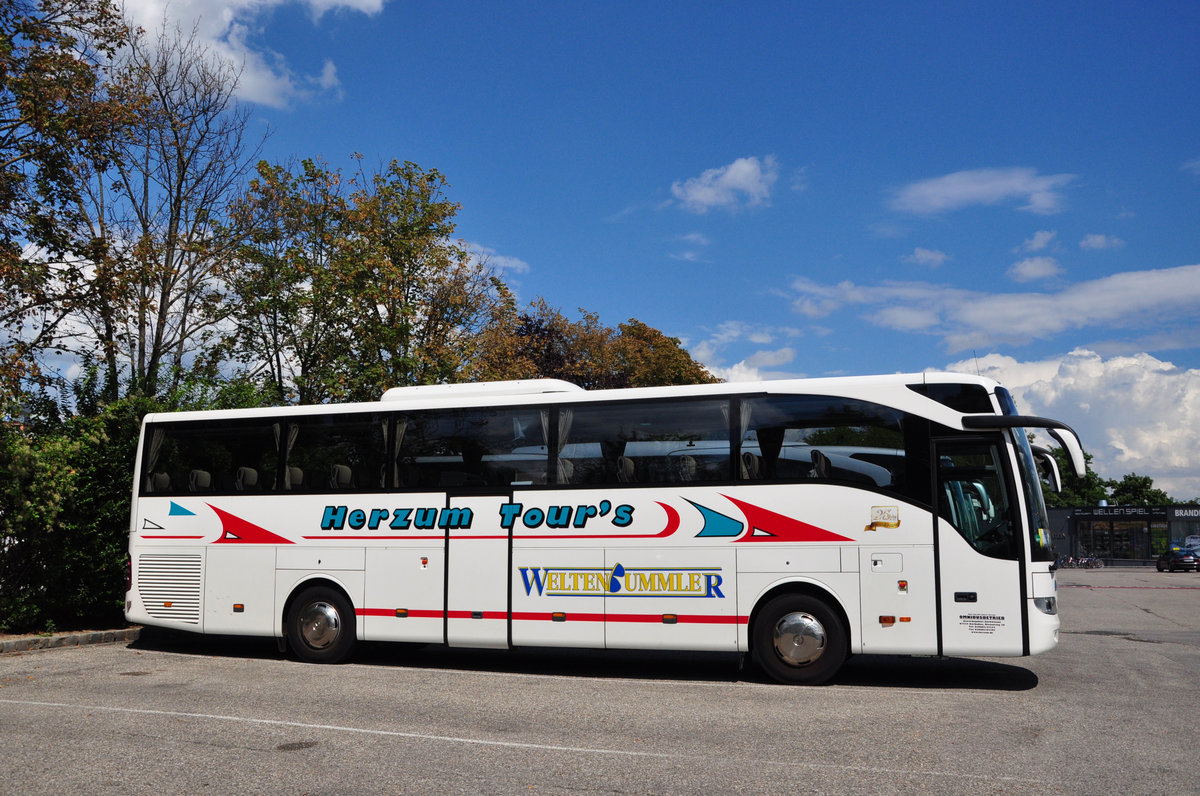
x,y
169,586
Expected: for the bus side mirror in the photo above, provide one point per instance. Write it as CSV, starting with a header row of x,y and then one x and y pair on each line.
x,y
1048,467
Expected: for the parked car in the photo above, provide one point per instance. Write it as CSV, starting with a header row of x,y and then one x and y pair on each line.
x,y
1178,558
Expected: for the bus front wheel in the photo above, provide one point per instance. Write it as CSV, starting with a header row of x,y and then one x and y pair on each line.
x,y
320,625
798,639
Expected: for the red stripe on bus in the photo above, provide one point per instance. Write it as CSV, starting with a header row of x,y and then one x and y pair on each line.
x,y
439,537
539,616
690,619
412,614
571,616
172,537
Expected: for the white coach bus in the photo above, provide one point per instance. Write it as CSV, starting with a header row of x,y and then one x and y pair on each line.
x,y
799,521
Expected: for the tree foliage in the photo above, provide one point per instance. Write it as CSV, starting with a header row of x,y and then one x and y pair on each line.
x,y
290,321
1088,490
347,286
55,114
416,299
152,208
541,342
1138,490
64,510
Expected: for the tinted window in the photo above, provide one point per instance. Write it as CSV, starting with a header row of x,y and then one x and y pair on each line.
x,y
210,458
472,448
646,443
336,453
970,399
812,437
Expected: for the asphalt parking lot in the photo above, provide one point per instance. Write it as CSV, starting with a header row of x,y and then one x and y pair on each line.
x,y
1111,710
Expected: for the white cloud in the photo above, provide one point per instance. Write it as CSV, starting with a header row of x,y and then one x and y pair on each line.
x,y
692,255
1134,413
1032,268
1040,240
328,80
738,372
800,179
228,28
771,359
502,264
1094,242
907,319
930,257
1163,299
763,364
983,187
745,181
1192,166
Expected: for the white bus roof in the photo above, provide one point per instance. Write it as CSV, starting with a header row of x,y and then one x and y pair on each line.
x,y
481,388
891,390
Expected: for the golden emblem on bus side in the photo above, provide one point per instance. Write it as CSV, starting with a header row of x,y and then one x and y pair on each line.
x,y
884,517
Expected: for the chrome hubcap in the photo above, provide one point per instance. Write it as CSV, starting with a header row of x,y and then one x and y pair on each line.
x,y
799,638
320,625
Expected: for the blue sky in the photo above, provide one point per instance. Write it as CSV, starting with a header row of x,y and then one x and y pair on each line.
x,y
797,189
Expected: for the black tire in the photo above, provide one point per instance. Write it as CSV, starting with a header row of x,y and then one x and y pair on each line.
x,y
799,640
320,625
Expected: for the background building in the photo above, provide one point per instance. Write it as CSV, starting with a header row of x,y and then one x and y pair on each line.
x,y
1122,534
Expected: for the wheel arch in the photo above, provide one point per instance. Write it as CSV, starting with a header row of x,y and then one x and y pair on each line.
x,y
810,589
308,582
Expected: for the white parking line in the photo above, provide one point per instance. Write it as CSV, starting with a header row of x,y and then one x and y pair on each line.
x,y
517,744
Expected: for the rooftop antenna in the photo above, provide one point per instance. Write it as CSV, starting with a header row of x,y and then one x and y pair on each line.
x,y
977,371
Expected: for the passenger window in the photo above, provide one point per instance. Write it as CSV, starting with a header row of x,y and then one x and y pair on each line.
x,y
824,438
337,453
472,448
647,443
210,458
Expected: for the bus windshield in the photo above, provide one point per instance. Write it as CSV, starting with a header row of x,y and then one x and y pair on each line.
x,y
1039,523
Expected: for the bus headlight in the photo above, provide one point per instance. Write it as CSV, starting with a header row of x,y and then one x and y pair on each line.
x,y
1047,605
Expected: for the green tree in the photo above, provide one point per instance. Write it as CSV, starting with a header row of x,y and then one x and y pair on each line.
x,y
291,319
54,115
1089,490
1138,490
541,342
64,519
344,288
417,300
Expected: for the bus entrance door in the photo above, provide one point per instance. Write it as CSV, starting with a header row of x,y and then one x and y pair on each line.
x,y
978,550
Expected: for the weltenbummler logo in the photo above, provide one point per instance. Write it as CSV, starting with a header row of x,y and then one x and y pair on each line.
x,y
622,581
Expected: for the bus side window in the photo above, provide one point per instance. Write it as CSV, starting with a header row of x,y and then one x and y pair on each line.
x,y
803,438
651,442
476,448
339,453
210,458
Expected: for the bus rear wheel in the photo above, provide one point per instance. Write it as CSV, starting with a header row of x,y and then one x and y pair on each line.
x,y
799,640
320,625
